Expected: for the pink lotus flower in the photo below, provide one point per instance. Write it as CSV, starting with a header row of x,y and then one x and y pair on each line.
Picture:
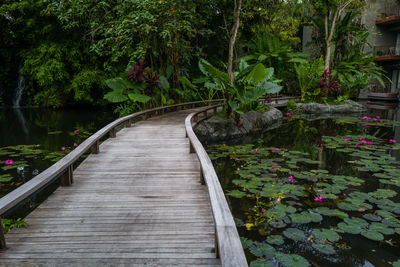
x,y
392,141
275,149
288,114
363,141
273,167
75,144
365,117
318,198
63,148
357,145
378,117
263,210
76,131
368,118
375,119
9,162
290,179
347,139
369,143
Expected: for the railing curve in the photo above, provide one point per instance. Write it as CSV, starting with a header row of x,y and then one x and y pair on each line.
x,y
64,167
228,246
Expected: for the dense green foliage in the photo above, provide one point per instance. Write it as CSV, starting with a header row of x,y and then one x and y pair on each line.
x,y
68,49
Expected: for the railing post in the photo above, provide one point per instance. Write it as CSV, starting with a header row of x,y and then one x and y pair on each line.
x,y
216,244
191,147
67,178
205,113
2,237
195,118
128,123
193,105
202,181
144,116
95,148
215,110
113,133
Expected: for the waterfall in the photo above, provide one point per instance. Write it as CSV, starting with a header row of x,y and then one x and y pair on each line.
x,y
19,90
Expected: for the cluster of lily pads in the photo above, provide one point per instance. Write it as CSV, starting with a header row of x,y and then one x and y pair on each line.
x,y
294,199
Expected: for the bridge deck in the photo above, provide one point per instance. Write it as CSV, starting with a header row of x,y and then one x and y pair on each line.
x,y
139,201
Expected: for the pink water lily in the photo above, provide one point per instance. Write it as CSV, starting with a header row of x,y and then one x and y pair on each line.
x,y
275,149
273,167
357,145
318,198
365,117
368,101
75,144
288,114
288,118
290,179
369,143
263,210
378,117
76,131
376,127
63,148
363,141
368,118
347,139
361,138
9,162
256,150
392,141
375,119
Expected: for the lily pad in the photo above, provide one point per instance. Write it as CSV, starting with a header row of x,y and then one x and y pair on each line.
x,y
372,217
373,235
4,178
303,217
294,234
262,249
262,263
349,228
328,234
380,227
237,194
291,260
324,248
275,240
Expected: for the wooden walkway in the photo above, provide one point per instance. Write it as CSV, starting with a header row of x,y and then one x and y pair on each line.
x,y
138,202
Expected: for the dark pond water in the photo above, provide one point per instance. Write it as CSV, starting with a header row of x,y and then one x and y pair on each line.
x,y
36,138
357,221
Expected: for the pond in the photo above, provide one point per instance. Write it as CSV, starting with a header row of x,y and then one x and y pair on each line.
x,y
317,193
34,139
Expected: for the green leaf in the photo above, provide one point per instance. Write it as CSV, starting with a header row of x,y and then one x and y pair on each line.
x,y
119,84
303,217
262,249
292,260
4,178
324,248
380,227
349,228
396,263
372,217
269,88
275,240
262,263
294,234
237,194
243,65
115,97
165,83
326,234
257,74
213,72
139,98
373,235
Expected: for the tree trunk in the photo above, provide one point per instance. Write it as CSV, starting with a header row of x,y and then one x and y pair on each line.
x,y
233,36
232,41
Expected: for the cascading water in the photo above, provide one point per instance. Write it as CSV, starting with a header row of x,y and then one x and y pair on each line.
x,y
19,90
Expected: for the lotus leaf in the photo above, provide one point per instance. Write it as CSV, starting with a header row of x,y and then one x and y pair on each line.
x,y
315,217
295,234
326,234
262,249
275,240
349,228
237,194
372,217
303,217
324,248
356,221
347,206
380,227
383,193
291,260
373,235
262,263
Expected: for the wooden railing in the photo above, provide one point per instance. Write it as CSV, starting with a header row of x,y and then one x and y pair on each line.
x,y
228,245
64,167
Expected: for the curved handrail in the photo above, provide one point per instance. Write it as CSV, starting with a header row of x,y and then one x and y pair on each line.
x,y
64,165
228,242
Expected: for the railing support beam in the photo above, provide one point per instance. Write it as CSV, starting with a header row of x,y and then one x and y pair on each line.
x,y
67,178
96,148
128,123
2,237
113,133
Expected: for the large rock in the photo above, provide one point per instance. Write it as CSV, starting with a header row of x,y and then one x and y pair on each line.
x,y
216,129
315,108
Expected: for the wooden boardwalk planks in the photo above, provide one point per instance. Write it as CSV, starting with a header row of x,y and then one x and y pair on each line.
x,y
138,202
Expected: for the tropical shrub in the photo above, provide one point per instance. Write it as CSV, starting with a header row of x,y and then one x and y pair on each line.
x,y
308,76
251,82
